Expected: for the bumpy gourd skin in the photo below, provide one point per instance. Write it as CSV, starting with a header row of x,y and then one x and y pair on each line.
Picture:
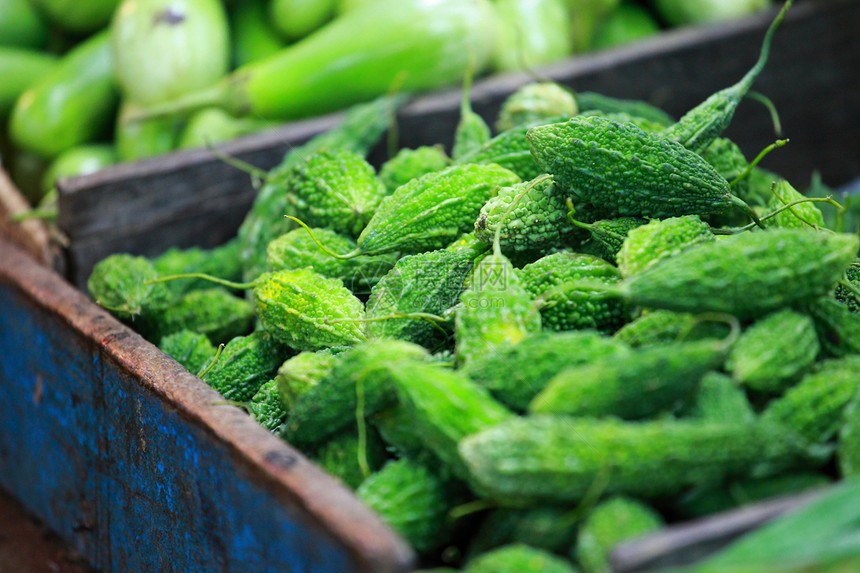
x,y
515,375
120,283
511,150
334,189
495,310
772,352
410,164
339,457
838,328
719,399
536,102
445,407
802,216
729,161
660,326
621,117
215,312
845,296
429,212
266,406
848,452
412,500
298,307
574,309
608,235
747,275
518,558
549,528
660,239
299,374
537,220
331,404
428,283
552,459
648,381
245,364
191,349
813,408
222,262
472,131
296,249
620,167
611,522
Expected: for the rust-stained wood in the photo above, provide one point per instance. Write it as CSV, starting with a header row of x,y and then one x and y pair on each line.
x,y
687,543
141,466
192,198
33,235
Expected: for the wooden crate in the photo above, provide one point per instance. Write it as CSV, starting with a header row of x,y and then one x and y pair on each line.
x,y
133,460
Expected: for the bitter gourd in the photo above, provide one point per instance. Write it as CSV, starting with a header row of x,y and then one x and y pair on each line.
x,y
301,307
609,523
446,407
191,349
667,326
608,235
845,296
361,128
495,310
222,261
472,131
266,406
803,216
121,284
558,459
563,308
429,212
782,267
704,123
775,350
412,500
838,328
516,374
648,381
334,189
660,239
341,457
245,364
549,528
629,171
535,103
729,161
528,216
719,399
428,283
518,558
591,101
215,312
511,150
296,249
409,164
813,408
298,374
366,370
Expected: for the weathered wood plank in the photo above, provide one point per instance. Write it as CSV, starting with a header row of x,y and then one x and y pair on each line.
x,y
34,236
133,460
192,198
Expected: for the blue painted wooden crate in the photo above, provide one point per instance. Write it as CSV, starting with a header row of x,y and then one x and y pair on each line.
x,y
131,458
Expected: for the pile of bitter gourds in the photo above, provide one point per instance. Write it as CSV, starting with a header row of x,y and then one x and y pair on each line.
x,y
554,339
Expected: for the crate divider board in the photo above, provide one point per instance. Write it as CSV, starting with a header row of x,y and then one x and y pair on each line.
x,y
193,198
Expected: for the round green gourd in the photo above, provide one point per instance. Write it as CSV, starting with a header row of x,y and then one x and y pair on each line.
x,y
120,283
518,558
608,235
340,457
191,349
615,520
410,164
511,150
245,364
298,374
215,312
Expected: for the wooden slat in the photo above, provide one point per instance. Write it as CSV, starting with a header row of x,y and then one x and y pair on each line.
x,y
141,466
192,198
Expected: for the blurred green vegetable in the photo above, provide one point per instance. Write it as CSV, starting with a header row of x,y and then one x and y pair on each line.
x,y
682,12
531,33
141,139
628,23
77,16
20,69
213,125
167,48
71,104
253,36
21,25
295,19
